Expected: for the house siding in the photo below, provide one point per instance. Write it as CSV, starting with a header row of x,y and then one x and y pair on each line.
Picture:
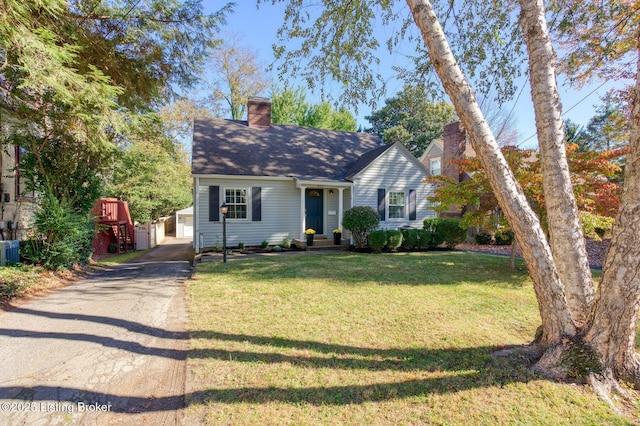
x,y
394,172
332,208
280,213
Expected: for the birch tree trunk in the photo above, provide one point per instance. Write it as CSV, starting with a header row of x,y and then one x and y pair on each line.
x,y
611,331
566,237
557,321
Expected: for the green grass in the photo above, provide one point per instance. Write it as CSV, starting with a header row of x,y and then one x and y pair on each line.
x,y
117,259
370,339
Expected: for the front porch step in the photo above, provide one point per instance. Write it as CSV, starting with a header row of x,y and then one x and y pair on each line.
x,y
321,242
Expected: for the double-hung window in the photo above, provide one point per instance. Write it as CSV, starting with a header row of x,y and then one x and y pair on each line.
x,y
236,200
397,202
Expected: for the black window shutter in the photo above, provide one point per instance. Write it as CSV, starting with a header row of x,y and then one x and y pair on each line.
x,y
214,204
381,203
412,204
256,204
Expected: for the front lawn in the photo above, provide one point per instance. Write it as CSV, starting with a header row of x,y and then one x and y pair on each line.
x,y
370,339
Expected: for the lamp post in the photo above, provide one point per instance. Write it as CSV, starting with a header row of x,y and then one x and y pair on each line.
x,y
224,209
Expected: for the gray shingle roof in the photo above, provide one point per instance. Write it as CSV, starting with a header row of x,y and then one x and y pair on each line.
x,y
228,147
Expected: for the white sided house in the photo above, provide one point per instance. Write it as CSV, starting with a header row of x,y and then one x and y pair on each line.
x,y
279,180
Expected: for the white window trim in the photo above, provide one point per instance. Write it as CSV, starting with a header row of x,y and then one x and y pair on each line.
x,y
404,207
248,192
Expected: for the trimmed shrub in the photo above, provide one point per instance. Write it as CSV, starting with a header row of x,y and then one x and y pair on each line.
x,y
286,242
503,238
377,240
360,220
444,230
430,238
394,240
483,237
453,233
410,239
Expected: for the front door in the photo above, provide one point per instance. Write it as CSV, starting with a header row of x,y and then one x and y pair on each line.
x,y
314,216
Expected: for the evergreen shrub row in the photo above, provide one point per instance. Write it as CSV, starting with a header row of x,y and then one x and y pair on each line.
x,y
436,231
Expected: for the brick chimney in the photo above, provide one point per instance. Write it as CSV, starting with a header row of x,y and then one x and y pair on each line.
x,y
259,112
453,148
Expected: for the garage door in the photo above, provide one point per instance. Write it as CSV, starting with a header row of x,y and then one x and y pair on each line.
x,y
188,226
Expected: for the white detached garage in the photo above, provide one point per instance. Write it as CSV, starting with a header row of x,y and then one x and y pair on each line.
x,y
184,223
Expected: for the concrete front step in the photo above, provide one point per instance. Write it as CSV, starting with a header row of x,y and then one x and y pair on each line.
x,y
321,242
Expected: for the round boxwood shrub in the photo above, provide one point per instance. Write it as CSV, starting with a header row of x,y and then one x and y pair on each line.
x,y
409,239
483,237
394,240
360,220
377,240
453,233
503,238
430,238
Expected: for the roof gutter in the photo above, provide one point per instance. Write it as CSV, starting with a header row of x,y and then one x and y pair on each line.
x,y
320,183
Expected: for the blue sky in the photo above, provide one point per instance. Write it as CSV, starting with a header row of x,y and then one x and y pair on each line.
x,y
258,28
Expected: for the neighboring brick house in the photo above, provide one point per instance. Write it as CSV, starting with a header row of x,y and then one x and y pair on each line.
x,y
16,205
439,155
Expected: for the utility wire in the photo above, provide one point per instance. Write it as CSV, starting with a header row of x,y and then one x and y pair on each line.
x,y
567,110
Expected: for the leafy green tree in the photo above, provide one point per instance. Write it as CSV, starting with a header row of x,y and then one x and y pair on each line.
x,y
323,116
152,174
411,119
577,134
66,145
290,106
75,73
74,76
607,130
56,110
66,63
149,47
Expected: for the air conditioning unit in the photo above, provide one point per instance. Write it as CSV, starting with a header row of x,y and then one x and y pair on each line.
x,y
9,252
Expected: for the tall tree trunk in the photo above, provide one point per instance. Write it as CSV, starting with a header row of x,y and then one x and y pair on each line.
x,y
612,326
556,317
512,253
566,237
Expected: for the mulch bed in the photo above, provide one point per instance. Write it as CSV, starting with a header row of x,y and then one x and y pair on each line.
x,y
596,250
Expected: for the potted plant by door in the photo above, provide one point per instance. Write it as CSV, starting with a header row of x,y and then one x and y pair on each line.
x,y
310,232
337,237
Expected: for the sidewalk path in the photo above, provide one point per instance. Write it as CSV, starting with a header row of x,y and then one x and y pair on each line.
x,y
107,350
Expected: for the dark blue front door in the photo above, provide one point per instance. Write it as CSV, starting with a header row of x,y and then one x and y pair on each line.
x,y
313,202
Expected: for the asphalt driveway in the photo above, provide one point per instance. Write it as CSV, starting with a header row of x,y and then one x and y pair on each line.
x,y
109,349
